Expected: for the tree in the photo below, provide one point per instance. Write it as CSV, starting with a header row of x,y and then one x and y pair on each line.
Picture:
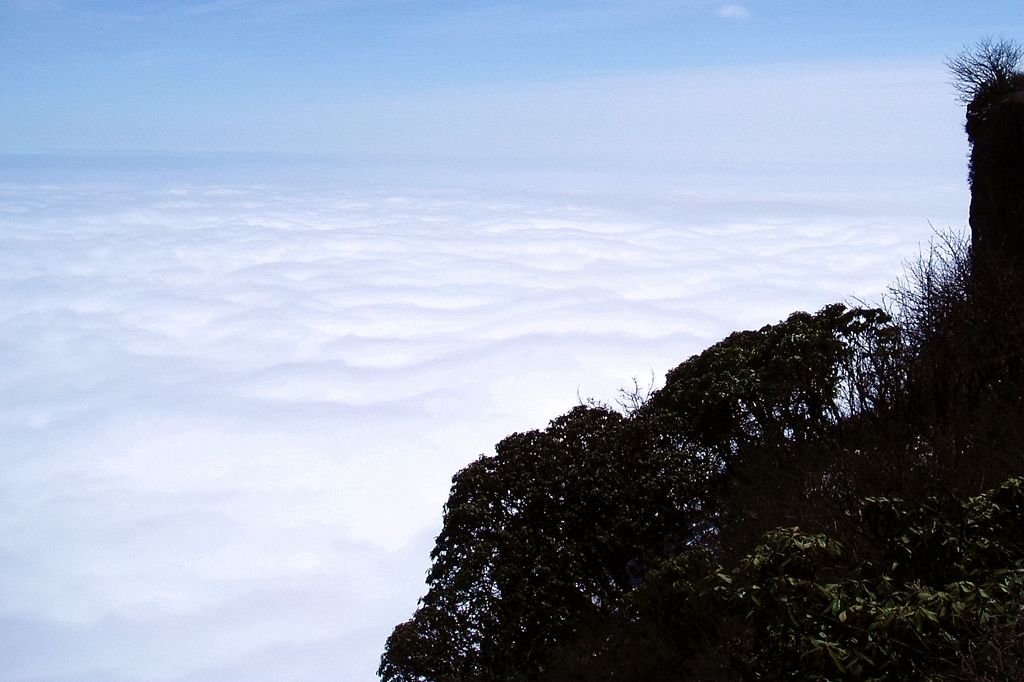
x,y
988,67
546,537
956,426
551,530
763,407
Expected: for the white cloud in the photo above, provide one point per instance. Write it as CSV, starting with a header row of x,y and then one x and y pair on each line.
x,y
731,11
230,417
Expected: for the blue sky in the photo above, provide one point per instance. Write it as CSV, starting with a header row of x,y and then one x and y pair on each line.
x,y
347,75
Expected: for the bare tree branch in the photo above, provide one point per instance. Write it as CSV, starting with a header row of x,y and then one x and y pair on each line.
x,y
988,66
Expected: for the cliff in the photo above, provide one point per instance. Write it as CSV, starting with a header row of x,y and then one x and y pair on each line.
x,y
995,129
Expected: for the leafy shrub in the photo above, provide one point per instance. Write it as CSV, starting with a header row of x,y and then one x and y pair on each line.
x,y
945,600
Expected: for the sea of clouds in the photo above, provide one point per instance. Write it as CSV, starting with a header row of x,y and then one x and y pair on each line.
x,y
230,411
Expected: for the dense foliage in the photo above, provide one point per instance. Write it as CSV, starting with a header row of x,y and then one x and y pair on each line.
x,y
939,594
941,597
836,496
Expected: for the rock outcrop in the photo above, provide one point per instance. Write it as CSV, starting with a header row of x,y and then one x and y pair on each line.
x,y
995,128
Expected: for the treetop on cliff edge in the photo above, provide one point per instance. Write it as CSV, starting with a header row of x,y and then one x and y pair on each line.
x,y
986,69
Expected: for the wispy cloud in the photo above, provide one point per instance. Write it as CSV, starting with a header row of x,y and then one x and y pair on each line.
x,y
731,11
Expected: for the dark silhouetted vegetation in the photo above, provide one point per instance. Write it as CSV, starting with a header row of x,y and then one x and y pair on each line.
x,y
987,68
990,78
837,496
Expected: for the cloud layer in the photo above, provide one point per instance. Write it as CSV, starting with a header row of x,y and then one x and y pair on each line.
x,y
230,413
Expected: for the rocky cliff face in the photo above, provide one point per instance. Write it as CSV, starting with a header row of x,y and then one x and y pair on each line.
x,y
995,128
